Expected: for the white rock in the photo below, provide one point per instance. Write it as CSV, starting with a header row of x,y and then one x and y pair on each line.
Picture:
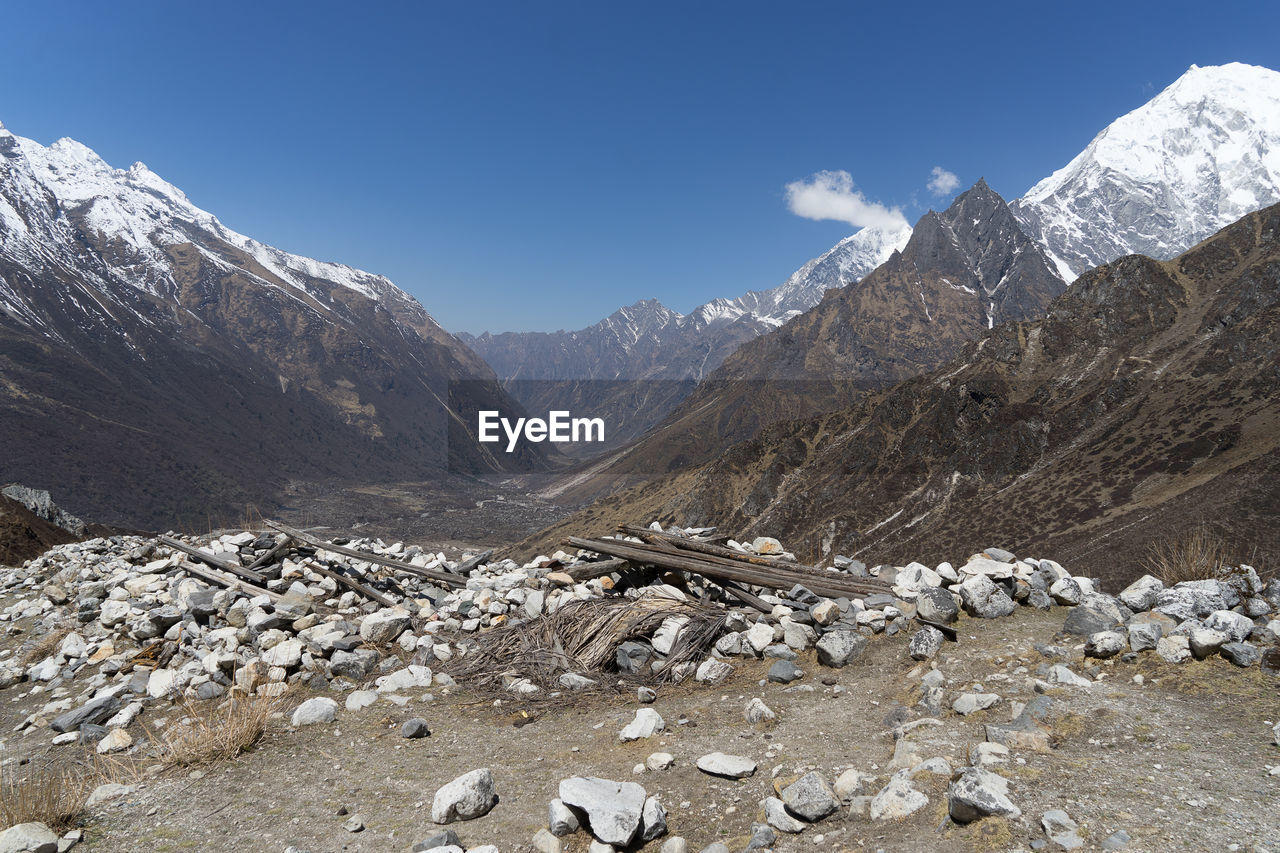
x,y
1061,674
646,723
759,636
614,810
712,671
851,783
469,796
315,711
411,677
360,699
116,740
969,703
287,654
664,639
28,838
730,766
897,800
758,712
107,792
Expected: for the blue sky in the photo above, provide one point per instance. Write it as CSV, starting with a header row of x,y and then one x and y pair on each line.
x,y
535,166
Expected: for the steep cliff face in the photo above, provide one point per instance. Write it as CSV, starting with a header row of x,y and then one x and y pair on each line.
x,y
157,365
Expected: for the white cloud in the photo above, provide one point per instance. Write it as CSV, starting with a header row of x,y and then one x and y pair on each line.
x,y
943,182
830,195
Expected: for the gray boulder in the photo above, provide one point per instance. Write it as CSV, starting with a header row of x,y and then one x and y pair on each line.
x,y
978,793
1142,594
982,598
385,625
784,672
838,648
926,643
937,605
1241,654
810,797
469,796
1144,635
94,711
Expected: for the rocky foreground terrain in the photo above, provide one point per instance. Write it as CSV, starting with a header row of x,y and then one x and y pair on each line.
x,y
408,701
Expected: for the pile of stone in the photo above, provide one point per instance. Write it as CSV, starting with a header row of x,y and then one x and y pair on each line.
x,y
136,622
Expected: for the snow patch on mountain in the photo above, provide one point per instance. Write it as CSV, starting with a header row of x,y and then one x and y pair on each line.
x,y
1195,158
142,215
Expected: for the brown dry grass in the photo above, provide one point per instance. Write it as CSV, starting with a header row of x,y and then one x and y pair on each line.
x,y
222,733
52,796
47,644
1194,555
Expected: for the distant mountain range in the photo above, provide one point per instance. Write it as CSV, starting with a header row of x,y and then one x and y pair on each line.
x,y
1144,403
156,365
593,369
1199,155
961,272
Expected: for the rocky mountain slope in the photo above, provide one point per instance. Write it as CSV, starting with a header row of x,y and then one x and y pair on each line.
x,y
1195,158
1198,156
1145,402
593,369
156,366
961,272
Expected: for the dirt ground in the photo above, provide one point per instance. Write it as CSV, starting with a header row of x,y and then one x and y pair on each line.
x,y
1180,762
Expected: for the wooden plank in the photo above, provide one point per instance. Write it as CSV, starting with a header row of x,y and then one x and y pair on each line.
x,y
471,562
600,568
745,597
350,583
215,576
213,560
455,581
714,567
792,573
269,557
947,631
711,550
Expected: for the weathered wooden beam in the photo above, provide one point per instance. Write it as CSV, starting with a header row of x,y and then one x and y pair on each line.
x,y
471,562
806,576
711,550
455,581
600,568
269,557
234,583
213,560
715,567
350,583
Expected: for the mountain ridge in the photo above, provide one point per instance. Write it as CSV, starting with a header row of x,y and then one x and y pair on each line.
x,y
1145,399
127,312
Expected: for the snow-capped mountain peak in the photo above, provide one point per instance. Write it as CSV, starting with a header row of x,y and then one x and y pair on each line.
x,y
142,215
1201,154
